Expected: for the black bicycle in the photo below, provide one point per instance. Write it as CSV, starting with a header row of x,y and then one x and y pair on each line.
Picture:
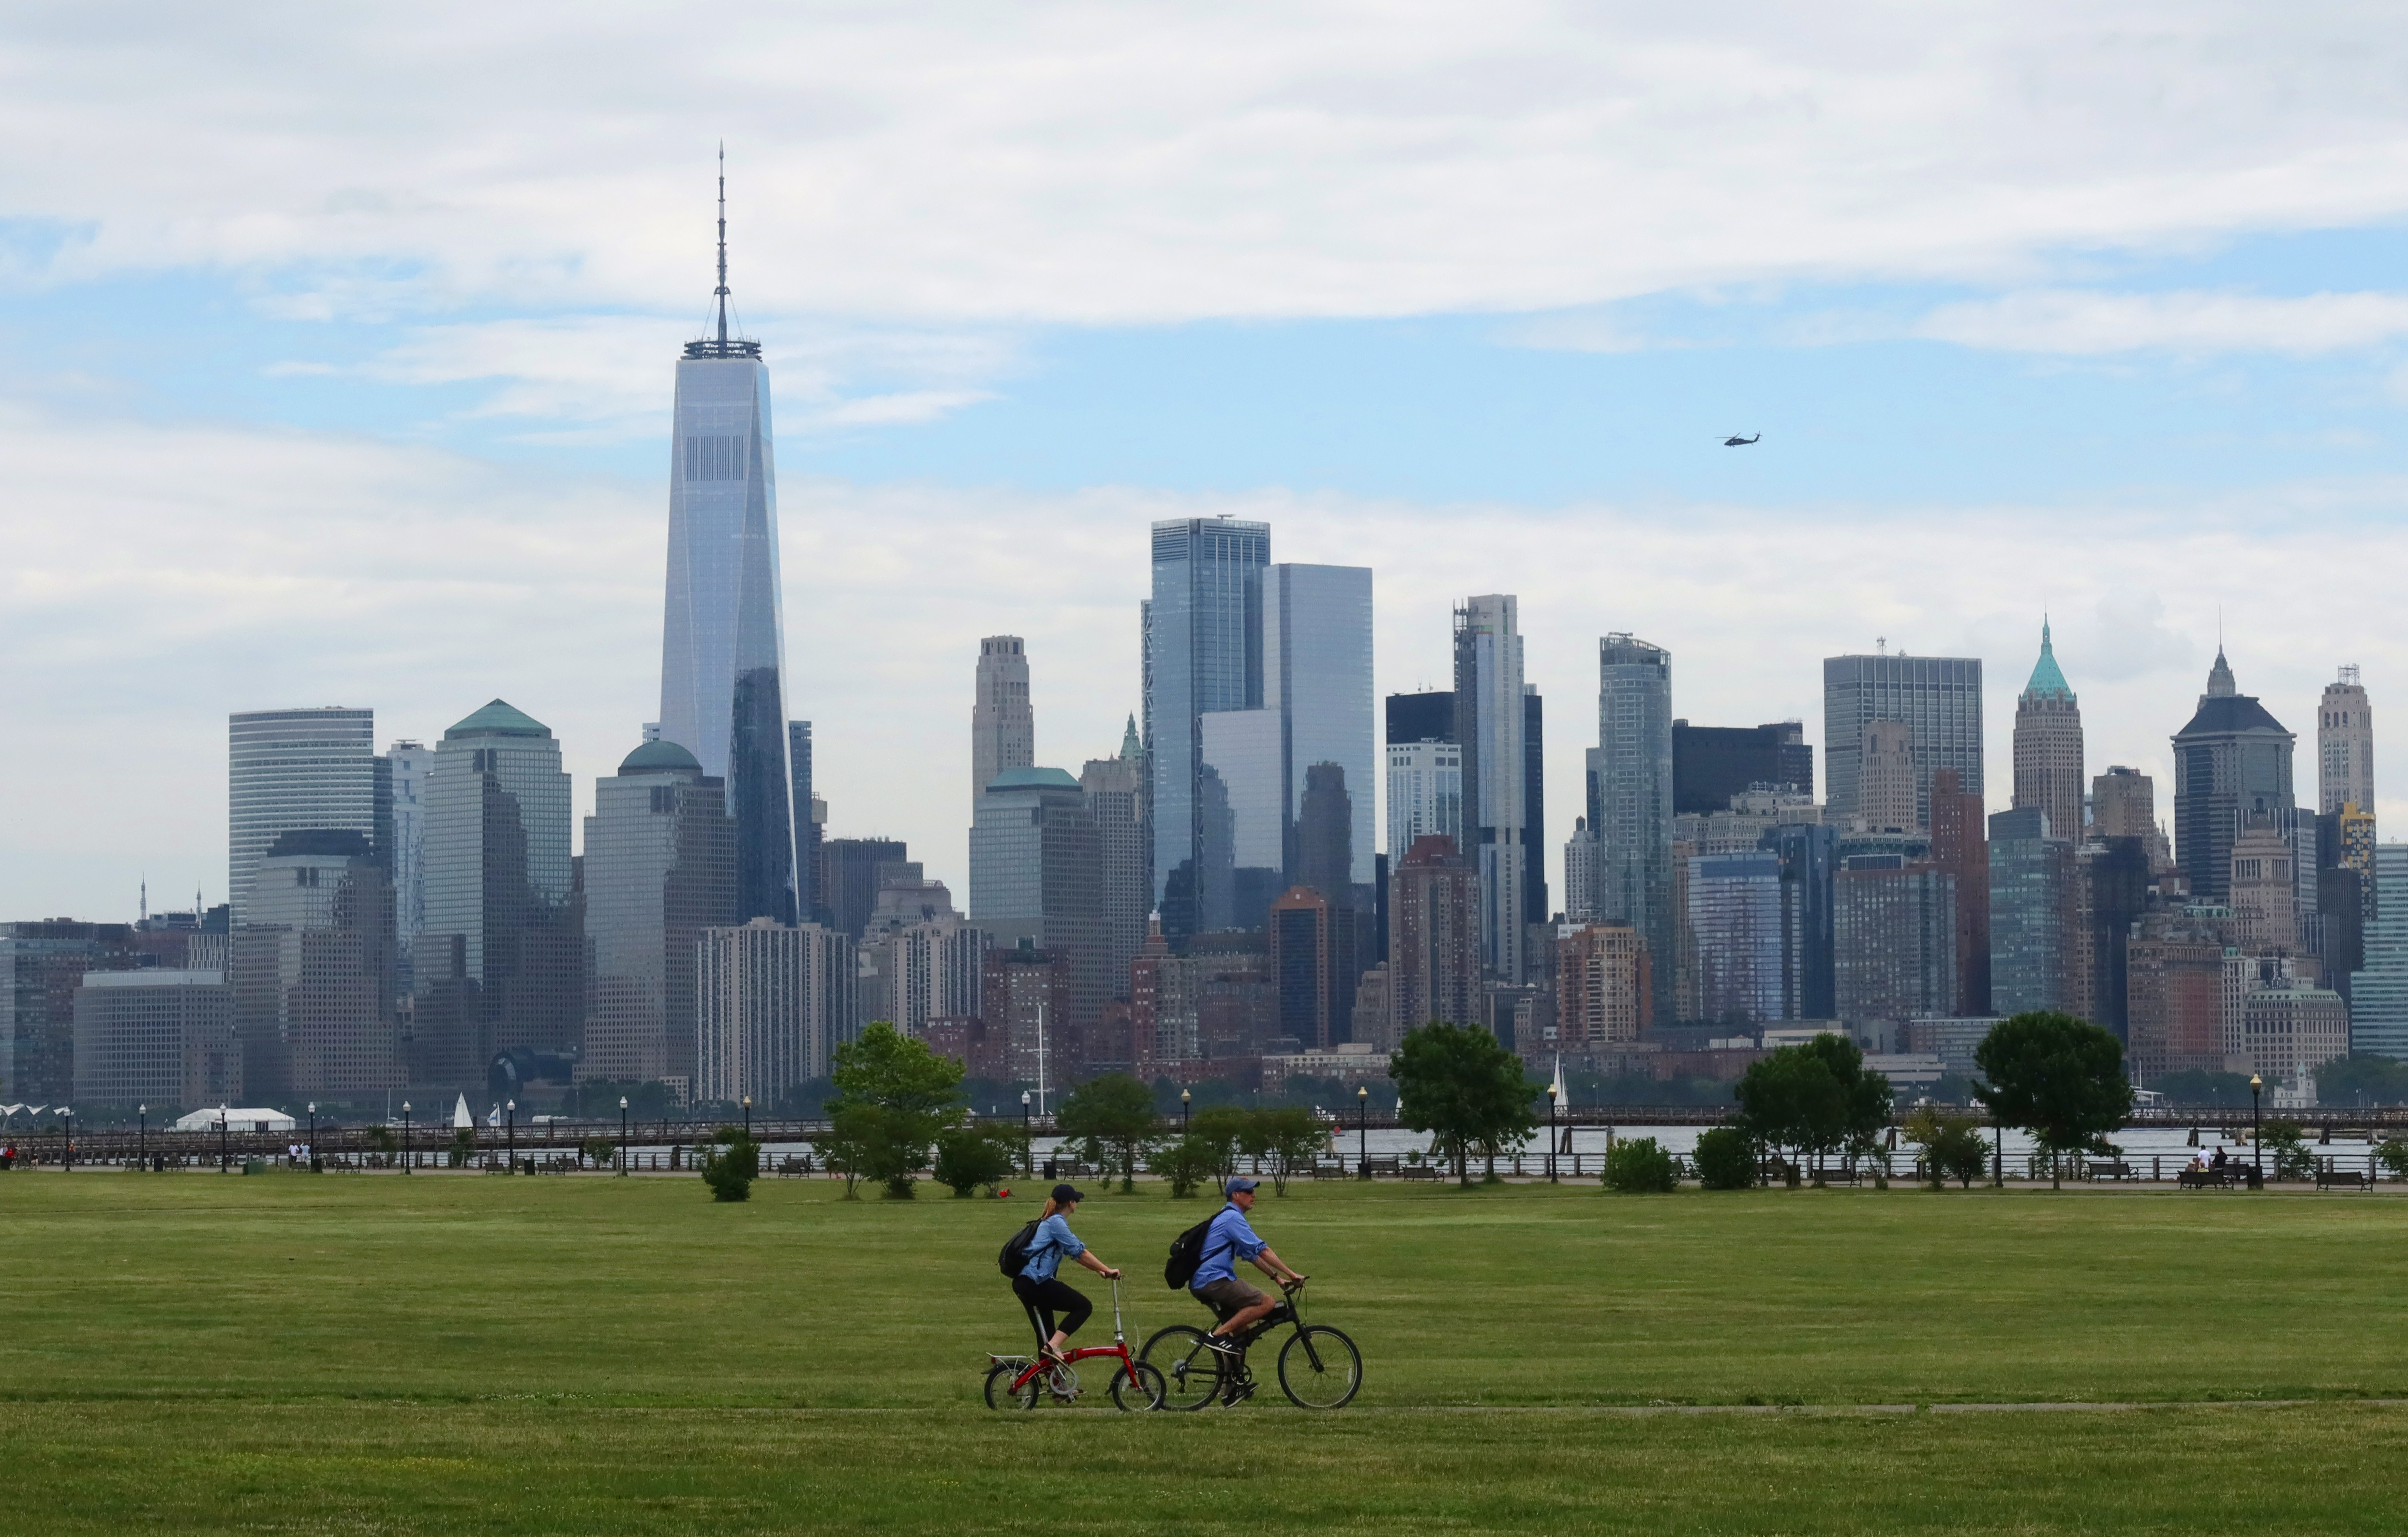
x,y
1319,1367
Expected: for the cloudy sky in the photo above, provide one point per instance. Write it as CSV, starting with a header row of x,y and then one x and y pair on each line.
x,y
338,354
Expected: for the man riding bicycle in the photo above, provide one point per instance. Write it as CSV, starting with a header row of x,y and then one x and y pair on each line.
x,y
1215,1284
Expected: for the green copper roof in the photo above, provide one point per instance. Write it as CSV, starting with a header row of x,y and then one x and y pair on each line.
x,y
660,757
498,719
1130,748
1022,779
2046,681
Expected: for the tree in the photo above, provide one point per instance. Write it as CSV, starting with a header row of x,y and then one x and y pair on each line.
x,y
2359,1080
731,1161
1951,1144
969,1157
2220,1090
1725,1158
1640,1166
602,1150
1816,1098
1221,1131
914,1094
1462,1085
1186,1164
2058,1077
2393,1156
1288,1138
2284,1144
1113,1119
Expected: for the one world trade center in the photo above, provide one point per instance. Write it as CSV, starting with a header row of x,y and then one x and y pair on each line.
x,y
722,642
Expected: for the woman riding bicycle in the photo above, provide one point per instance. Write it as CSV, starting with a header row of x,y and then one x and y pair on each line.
x,y
1044,1296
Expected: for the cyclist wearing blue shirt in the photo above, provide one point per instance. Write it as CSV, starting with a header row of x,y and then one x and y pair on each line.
x,y
1039,1291
1215,1284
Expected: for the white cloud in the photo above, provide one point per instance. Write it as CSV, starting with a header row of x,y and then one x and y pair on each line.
x,y
2084,322
250,568
1087,161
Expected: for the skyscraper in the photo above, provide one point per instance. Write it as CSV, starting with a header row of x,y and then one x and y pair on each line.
x,y
1003,725
1735,916
2344,746
313,972
1713,763
1959,847
1631,785
1317,678
409,762
1300,939
723,695
1203,653
1604,983
1809,859
1939,700
41,966
162,1038
1489,724
1890,790
2232,760
660,867
1534,811
2048,746
500,962
807,817
1894,939
2378,994
773,1003
301,770
1035,876
1114,788
1433,937
2124,804
2031,889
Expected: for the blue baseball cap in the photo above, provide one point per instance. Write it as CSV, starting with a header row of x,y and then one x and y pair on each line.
x,y
1241,1183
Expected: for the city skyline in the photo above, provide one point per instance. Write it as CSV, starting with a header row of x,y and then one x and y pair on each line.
x,y
417,420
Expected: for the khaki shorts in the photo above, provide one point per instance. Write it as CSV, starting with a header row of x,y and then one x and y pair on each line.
x,y
1228,1296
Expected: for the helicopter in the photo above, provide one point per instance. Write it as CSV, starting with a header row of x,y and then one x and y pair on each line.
x,y
1735,440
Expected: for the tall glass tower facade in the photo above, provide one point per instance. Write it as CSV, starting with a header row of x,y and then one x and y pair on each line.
x,y
1203,653
301,770
1317,676
722,636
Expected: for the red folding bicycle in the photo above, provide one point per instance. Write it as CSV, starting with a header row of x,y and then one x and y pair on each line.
x,y
1026,1381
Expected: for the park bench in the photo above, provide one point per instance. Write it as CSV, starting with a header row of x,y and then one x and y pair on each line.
x,y
1380,1165
2107,1169
793,1164
2211,1179
1330,1171
1420,1172
2345,1179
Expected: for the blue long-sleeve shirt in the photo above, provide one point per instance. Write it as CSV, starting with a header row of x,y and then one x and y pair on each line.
x,y
1053,1243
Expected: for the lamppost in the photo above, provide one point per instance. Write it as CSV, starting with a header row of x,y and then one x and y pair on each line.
x,y
1028,1137
221,1140
510,1132
1183,1112
1363,1130
1551,1135
748,1118
622,1136
2256,1149
313,1136
405,1136
142,1137
1998,1154
66,1138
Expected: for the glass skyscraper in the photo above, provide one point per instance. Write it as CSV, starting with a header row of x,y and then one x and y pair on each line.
x,y
301,770
1203,653
1630,794
1317,676
1939,700
723,638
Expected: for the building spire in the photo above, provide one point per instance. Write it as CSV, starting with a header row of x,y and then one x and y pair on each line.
x,y
721,290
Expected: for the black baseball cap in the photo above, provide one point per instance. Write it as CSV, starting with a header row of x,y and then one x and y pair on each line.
x,y
1066,1192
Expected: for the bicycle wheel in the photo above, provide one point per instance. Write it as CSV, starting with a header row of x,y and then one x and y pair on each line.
x,y
1319,1368
1144,1393
998,1387
1190,1369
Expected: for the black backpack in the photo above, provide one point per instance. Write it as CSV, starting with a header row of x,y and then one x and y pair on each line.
x,y
1187,1255
1014,1258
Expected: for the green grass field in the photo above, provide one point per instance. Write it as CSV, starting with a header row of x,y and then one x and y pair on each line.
x,y
589,1354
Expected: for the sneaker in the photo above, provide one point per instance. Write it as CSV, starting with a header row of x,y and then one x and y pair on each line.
x,y
1222,1345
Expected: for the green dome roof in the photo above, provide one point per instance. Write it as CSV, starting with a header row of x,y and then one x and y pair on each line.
x,y
2046,681
498,719
1022,779
660,757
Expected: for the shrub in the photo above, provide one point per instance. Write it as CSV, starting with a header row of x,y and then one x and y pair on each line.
x,y
731,1170
2286,1148
1725,1159
2393,1156
600,1149
969,1157
1186,1164
1638,1167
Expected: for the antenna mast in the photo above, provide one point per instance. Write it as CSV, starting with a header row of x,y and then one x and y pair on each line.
x,y
722,243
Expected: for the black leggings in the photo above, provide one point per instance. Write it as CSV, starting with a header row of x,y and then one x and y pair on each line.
x,y
1045,1299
